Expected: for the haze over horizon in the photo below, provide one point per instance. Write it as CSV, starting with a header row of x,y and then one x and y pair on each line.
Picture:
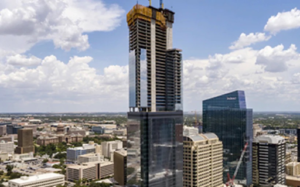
x,y
72,55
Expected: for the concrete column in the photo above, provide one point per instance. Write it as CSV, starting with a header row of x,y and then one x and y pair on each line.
x,y
169,35
153,66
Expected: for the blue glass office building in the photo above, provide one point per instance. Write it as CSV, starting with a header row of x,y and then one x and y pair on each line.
x,y
228,117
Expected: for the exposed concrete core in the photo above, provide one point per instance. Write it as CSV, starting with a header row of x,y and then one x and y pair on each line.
x,y
153,66
169,35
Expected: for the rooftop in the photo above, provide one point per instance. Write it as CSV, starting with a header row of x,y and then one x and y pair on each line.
x,y
271,139
36,178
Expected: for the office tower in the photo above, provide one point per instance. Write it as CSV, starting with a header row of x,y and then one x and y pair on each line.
x,y
25,141
202,159
227,116
298,146
268,160
120,166
108,148
154,129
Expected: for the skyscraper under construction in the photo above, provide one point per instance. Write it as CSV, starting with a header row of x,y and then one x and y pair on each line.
x,y
154,129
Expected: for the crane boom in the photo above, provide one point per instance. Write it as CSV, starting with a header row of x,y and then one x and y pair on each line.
x,y
240,161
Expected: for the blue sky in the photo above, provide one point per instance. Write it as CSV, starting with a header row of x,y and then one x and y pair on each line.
x,y
34,79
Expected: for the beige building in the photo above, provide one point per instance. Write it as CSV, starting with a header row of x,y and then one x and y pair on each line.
x,y
7,147
202,159
120,166
45,180
90,171
3,130
93,157
55,139
293,168
108,148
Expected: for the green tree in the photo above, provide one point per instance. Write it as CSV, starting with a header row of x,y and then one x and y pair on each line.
x,y
9,169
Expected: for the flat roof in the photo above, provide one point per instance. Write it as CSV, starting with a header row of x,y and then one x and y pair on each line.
x,y
36,178
271,139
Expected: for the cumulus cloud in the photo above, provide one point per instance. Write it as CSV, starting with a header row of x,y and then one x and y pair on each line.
x,y
246,40
22,60
276,59
63,21
258,72
283,21
57,82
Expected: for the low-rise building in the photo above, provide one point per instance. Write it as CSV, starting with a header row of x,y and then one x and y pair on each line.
x,y
90,171
93,157
109,147
45,180
7,147
74,153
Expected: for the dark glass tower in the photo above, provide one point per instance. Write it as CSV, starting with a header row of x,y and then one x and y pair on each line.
x,y
228,117
154,129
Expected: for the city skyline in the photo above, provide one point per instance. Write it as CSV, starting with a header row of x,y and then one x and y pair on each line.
x,y
81,65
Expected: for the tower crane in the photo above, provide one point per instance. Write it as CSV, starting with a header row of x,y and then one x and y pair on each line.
x,y
161,3
230,182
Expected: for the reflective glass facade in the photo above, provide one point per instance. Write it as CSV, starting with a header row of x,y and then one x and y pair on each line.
x,y
132,79
143,77
228,117
154,149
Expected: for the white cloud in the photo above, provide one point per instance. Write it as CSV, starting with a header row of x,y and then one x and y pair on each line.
x,y
283,21
22,60
246,40
258,72
276,59
60,84
63,21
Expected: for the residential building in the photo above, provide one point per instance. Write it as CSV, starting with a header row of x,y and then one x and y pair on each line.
x,y
45,180
7,147
228,117
25,141
202,159
268,160
90,171
120,166
108,148
154,129
74,153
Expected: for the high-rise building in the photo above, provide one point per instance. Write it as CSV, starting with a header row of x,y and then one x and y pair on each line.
x,y
202,159
268,160
25,141
120,166
228,117
154,129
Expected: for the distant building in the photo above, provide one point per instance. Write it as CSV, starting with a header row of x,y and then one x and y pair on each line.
x,y
92,157
74,153
298,141
229,118
120,166
288,157
109,147
268,160
3,130
55,139
13,128
98,129
293,169
257,130
7,147
45,180
77,131
25,141
202,159
89,171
